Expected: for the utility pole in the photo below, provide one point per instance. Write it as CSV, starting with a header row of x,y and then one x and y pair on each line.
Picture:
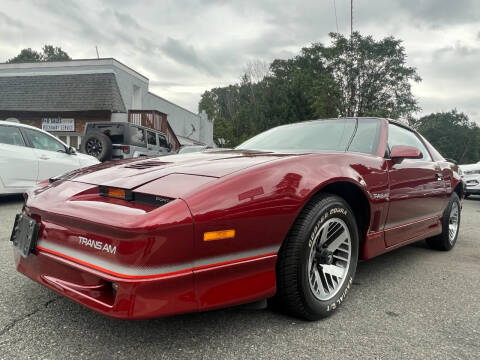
x,y
96,48
351,18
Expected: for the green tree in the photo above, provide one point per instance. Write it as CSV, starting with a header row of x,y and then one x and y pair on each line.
x,y
452,134
371,77
49,53
54,53
350,77
26,55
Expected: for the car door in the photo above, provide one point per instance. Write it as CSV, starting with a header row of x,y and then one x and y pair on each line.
x,y
417,190
18,162
52,155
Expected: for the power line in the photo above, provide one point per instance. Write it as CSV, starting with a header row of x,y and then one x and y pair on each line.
x,y
335,9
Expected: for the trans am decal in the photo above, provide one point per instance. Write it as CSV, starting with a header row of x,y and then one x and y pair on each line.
x,y
98,245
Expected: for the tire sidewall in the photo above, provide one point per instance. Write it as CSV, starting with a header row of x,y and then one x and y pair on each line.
x,y
334,209
446,221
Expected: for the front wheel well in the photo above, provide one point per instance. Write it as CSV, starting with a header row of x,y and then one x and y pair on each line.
x,y
356,199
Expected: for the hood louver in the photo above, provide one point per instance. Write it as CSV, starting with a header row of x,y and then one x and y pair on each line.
x,y
146,165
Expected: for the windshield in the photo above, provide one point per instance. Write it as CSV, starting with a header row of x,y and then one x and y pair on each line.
x,y
333,134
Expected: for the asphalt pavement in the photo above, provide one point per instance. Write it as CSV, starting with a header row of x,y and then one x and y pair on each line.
x,y
412,303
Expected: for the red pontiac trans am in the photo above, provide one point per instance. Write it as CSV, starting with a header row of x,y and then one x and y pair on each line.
x,y
287,215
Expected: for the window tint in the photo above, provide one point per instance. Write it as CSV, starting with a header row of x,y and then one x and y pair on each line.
x,y
44,142
11,135
151,138
137,136
367,136
307,136
401,136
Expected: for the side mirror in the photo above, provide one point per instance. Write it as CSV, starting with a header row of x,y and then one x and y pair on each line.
x,y
400,152
71,151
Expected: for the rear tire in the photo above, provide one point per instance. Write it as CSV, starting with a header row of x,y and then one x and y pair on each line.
x,y
97,145
450,226
318,259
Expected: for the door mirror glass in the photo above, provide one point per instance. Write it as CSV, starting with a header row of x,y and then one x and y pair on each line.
x,y
71,150
399,152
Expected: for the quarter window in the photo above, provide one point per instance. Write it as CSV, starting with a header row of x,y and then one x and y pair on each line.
x,y
151,138
11,136
43,141
162,141
137,136
400,136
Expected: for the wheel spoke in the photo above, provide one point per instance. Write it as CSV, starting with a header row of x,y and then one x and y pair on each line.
x,y
335,244
319,283
334,270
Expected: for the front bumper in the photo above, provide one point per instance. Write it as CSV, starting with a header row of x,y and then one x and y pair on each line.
x,y
110,295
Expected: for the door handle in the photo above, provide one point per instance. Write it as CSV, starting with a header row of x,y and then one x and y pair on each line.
x,y
43,157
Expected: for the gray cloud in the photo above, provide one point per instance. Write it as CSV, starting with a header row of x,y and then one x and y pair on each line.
x,y
185,54
188,46
126,20
6,20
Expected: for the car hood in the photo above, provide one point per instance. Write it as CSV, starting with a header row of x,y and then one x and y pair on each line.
x,y
131,174
86,160
469,167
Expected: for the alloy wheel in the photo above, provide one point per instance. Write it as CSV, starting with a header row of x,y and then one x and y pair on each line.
x,y
329,259
93,147
453,222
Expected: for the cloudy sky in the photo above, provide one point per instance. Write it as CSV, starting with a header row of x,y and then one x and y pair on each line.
x,y
187,47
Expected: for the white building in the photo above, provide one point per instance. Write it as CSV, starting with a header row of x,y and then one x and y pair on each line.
x,y
90,90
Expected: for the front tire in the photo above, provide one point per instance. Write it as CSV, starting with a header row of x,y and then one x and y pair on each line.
x,y
317,261
450,226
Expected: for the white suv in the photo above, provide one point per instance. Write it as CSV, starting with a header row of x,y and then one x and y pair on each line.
x,y
471,176
29,155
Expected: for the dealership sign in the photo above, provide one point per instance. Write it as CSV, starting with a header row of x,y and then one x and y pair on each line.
x,y
58,124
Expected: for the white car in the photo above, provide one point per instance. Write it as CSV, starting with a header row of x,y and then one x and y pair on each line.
x,y
471,176
29,155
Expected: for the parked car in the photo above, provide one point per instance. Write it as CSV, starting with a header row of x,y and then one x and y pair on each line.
x,y
121,140
471,176
193,148
29,155
287,214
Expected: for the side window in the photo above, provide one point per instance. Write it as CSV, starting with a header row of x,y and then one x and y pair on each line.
x,y
151,138
43,142
400,136
366,137
137,136
11,136
162,141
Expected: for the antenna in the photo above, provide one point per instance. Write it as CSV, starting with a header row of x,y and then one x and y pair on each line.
x,y
96,48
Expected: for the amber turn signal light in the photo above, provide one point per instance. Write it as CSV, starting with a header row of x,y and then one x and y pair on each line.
x,y
116,193
219,235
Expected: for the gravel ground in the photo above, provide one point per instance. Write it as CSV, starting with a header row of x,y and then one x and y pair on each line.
x,y
412,303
